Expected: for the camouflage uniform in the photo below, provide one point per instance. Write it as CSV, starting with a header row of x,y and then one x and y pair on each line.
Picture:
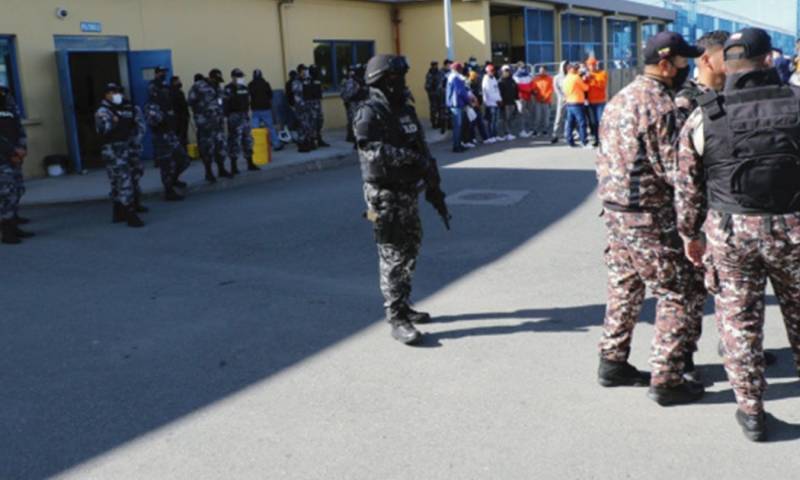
x,y
353,94
120,128
686,99
206,102
303,112
637,152
12,137
743,251
240,134
433,82
170,155
384,136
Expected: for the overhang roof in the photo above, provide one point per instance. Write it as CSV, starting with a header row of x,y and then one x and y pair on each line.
x,y
621,7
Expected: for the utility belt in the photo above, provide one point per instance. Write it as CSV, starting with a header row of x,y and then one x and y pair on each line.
x,y
615,207
726,219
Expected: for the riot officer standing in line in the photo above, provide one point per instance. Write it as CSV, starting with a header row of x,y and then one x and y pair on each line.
x,y
433,82
13,149
738,208
118,124
395,162
205,98
237,111
313,93
170,155
302,110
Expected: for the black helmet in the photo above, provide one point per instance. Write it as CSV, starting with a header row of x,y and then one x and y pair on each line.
x,y
380,65
237,73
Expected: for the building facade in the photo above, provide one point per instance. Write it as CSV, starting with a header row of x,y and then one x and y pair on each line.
x,y
55,55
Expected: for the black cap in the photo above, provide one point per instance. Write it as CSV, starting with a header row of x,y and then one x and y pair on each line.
x,y
667,45
756,42
216,72
302,66
112,88
434,63
237,73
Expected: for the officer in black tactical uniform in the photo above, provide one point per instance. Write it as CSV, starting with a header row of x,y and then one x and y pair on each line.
x,y
395,163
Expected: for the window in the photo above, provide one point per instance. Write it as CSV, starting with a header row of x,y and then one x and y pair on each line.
x,y
581,35
9,75
650,30
333,57
622,40
539,36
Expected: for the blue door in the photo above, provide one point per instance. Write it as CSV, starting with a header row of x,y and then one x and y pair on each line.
x,y
141,67
68,107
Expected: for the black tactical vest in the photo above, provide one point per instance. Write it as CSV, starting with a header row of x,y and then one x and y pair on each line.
x,y
164,101
9,125
312,89
399,128
126,124
239,98
752,146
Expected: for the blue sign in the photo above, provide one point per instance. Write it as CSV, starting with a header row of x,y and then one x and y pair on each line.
x,y
91,27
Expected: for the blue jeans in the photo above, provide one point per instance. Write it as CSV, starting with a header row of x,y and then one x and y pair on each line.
x,y
264,117
596,113
456,114
575,114
492,114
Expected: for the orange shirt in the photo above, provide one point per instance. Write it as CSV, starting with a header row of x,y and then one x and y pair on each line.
x,y
544,88
597,87
575,89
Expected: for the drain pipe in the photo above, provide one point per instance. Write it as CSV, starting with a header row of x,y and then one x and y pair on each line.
x,y
396,26
448,28
281,32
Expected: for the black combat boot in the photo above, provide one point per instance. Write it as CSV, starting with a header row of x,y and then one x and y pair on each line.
x,y
417,317
9,233
322,143
118,213
137,203
303,148
252,166
132,218
21,220
683,393
621,374
222,172
172,196
404,332
754,427
180,184
210,178
20,232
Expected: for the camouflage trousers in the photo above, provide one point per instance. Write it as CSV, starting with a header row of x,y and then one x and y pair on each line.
x,y
171,158
19,183
137,168
305,123
743,252
317,119
645,251
351,115
212,143
9,191
435,102
240,137
398,234
117,157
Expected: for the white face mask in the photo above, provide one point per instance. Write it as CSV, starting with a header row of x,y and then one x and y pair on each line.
x,y
116,99
241,81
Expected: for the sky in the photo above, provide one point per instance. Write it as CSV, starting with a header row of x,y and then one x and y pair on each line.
x,y
779,13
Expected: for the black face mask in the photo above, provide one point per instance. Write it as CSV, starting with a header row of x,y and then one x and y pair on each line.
x,y
679,79
394,87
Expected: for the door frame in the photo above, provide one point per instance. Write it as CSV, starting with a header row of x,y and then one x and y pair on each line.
x,y
64,45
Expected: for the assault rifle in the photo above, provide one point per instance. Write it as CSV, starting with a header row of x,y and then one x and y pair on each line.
x,y
433,189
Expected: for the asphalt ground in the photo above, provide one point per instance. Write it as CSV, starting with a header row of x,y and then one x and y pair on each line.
x,y
240,335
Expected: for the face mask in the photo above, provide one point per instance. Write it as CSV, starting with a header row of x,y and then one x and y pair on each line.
x,y
680,78
395,89
116,98
240,81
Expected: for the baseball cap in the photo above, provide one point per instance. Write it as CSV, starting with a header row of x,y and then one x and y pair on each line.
x,y
755,41
667,45
112,88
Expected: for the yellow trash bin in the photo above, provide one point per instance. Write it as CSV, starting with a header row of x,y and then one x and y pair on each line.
x,y
193,151
262,149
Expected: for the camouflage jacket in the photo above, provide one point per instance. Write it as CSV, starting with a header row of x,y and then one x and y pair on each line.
x,y
206,101
297,92
353,91
686,99
638,136
16,136
688,178
105,121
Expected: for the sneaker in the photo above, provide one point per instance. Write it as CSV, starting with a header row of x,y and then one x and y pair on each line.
x,y
510,137
468,145
683,393
525,134
554,140
621,374
489,141
588,147
754,427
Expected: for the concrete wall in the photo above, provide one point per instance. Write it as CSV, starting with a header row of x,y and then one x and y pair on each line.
x,y
202,34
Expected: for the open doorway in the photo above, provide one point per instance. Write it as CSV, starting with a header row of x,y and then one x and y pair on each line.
x,y
89,73
508,34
